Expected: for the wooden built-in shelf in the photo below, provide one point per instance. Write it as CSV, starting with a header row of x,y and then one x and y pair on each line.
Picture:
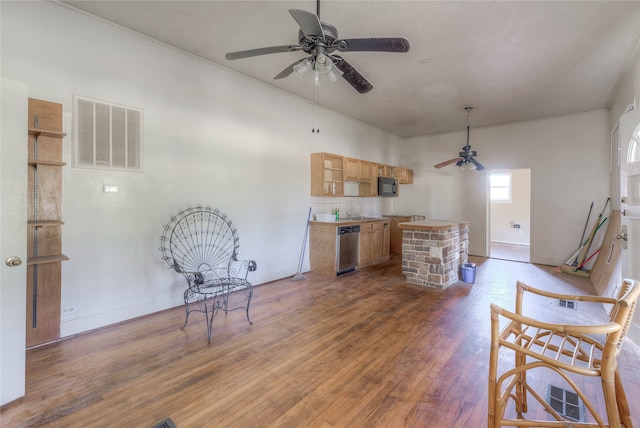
x,y
41,223
44,225
46,133
46,162
41,260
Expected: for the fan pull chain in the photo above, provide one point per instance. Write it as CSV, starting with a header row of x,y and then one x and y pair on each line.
x,y
316,110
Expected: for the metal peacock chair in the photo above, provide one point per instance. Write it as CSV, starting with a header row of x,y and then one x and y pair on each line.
x,y
202,244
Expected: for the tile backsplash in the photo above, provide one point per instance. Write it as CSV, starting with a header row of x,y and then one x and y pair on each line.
x,y
365,207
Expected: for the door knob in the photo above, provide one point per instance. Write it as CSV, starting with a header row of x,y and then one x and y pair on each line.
x,y
623,235
13,261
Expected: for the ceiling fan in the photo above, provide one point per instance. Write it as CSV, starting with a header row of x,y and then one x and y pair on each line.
x,y
320,40
466,158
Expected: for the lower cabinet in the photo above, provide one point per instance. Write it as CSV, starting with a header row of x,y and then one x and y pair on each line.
x,y
374,243
396,233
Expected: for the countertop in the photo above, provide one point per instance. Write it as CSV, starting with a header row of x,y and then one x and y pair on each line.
x,y
359,220
431,224
403,215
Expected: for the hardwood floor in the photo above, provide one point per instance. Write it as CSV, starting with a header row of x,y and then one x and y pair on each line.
x,y
364,350
513,252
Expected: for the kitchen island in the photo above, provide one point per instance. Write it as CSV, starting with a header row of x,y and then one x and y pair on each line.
x,y
433,250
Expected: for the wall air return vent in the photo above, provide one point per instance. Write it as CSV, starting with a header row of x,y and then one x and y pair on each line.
x,y
106,135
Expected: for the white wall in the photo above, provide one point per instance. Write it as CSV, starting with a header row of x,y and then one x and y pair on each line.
x,y
569,161
435,193
505,214
211,137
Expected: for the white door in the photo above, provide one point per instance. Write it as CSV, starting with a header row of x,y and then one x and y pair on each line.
x,y
13,237
630,203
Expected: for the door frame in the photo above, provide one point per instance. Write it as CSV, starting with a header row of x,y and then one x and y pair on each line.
x,y
490,211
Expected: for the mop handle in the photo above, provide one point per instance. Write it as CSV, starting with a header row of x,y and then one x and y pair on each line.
x,y
580,244
304,242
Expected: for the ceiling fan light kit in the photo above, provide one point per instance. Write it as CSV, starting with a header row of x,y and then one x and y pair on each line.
x,y
467,157
314,69
320,40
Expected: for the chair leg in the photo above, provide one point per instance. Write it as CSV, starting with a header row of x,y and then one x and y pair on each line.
x,y
186,316
610,401
623,404
209,317
225,302
521,391
494,415
250,294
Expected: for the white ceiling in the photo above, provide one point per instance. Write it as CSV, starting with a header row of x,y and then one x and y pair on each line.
x,y
513,60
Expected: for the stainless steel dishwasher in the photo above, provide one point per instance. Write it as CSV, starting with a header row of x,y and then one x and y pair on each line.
x,y
347,249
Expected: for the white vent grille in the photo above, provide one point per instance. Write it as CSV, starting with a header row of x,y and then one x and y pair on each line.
x,y
107,135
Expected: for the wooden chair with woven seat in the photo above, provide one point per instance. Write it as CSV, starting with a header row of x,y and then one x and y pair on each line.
x,y
569,351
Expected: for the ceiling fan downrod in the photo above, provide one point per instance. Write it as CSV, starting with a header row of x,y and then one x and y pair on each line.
x,y
468,109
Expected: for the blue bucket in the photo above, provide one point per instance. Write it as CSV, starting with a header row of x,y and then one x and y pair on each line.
x,y
468,271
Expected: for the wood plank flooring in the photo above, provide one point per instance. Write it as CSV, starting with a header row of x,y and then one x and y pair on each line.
x,y
363,350
513,252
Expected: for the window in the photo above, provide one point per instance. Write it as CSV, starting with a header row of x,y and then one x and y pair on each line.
x,y
634,147
500,186
106,135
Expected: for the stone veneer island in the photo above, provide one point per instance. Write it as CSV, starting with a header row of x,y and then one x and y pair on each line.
x,y
433,250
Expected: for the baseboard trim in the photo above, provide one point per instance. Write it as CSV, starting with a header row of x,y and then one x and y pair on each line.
x,y
511,243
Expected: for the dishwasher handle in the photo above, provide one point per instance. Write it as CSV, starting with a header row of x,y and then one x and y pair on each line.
x,y
342,230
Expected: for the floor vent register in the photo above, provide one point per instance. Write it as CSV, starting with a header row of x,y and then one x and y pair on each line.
x,y
569,304
566,403
167,423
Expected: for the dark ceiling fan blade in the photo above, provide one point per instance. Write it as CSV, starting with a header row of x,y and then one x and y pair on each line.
x,y
351,75
383,44
479,167
262,51
309,23
287,71
446,163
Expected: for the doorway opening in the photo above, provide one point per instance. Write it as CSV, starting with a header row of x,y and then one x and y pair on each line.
x,y
510,214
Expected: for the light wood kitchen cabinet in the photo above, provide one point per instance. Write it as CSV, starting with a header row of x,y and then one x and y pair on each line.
x,y
373,185
364,249
386,241
385,171
322,248
396,234
374,243
357,170
404,175
327,175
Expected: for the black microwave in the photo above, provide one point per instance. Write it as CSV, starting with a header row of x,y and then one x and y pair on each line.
x,y
387,186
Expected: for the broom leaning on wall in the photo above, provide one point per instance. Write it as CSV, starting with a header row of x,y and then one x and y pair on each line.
x,y
581,261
